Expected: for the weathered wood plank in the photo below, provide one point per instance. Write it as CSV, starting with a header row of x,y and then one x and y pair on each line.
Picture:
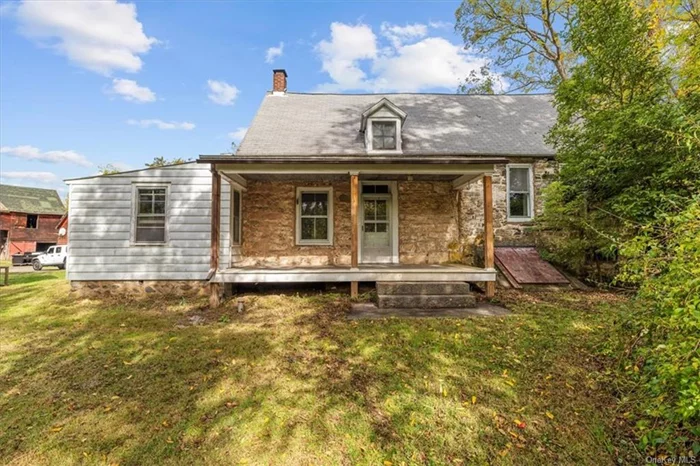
x,y
139,259
136,276
154,268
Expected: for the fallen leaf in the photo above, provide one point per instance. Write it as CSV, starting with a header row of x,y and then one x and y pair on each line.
x,y
520,424
57,429
549,415
474,399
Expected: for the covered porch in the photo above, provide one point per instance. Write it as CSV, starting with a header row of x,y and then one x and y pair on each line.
x,y
360,273
354,219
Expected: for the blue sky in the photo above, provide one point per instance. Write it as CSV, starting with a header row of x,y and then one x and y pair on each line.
x,y
86,84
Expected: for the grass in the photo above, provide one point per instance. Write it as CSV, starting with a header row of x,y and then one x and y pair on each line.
x,y
291,381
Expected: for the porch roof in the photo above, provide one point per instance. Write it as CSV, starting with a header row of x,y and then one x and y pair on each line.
x,y
336,159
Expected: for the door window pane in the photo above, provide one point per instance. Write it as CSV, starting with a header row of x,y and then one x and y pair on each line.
x,y
381,210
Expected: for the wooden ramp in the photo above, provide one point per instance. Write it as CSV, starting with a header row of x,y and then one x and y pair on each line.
x,y
524,266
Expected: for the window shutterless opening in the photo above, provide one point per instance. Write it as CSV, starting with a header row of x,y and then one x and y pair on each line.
x,y
32,221
315,216
383,135
519,196
150,221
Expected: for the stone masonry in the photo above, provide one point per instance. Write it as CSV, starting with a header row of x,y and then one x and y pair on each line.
x,y
269,226
140,288
471,208
428,224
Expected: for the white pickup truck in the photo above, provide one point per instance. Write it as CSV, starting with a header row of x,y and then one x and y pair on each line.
x,y
54,256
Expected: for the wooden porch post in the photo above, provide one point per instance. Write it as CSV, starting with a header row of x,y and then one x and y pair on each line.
x,y
354,202
488,233
215,288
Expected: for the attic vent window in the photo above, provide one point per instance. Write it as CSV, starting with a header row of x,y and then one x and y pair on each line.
x,y
32,221
384,135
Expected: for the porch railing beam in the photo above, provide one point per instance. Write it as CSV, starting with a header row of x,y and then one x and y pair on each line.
x,y
236,181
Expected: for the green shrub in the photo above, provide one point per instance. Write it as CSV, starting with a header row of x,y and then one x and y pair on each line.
x,y
664,356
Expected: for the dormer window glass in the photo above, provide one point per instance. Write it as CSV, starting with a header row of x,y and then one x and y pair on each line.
x,y
384,135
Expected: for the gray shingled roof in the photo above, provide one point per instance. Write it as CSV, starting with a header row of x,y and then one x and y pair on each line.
x,y
30,200
437,124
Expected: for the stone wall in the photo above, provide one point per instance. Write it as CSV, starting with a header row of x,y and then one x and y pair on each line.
x,y
139,288
269,225
471,208
436,223
428,227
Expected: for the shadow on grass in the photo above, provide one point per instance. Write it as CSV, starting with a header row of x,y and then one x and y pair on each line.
x,y
24,278
290,381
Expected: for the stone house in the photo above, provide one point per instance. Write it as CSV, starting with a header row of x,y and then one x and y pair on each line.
x,y
29,218
325,187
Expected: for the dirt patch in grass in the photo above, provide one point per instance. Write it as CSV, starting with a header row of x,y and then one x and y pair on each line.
x,y
291,381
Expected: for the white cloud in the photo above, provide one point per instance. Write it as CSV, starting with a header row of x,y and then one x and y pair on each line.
x,y
160,124
102,36
222,93
440,24
341,55
52,156
274,52
408,60
398,35
238,134
41,177
431,63
129,90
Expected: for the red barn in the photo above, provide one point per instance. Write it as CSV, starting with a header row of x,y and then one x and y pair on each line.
x,y
29,219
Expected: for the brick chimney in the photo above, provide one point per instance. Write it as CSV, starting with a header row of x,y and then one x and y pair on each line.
x,y
279,81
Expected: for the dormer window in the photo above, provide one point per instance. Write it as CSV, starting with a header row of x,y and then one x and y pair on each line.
x,y
383,135
381,125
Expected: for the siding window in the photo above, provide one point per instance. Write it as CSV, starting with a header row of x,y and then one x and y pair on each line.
x,y
519,196
236,217
150,215
315,216
32,221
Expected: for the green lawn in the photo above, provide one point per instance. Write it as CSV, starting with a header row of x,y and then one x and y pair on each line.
x,y
291,381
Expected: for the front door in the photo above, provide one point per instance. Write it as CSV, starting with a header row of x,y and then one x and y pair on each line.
x,y
376,229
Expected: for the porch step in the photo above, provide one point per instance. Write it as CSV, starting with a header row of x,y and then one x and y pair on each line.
x,y
426,301
422,288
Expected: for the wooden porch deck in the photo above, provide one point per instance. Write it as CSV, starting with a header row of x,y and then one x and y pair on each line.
x,y
362,273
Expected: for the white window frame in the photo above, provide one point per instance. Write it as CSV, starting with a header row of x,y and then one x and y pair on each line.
x,y
311,242
135,212
531,194
240,216
370,139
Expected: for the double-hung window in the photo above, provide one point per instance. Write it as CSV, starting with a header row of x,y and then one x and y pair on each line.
x,y
150,214
519,182
315,216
